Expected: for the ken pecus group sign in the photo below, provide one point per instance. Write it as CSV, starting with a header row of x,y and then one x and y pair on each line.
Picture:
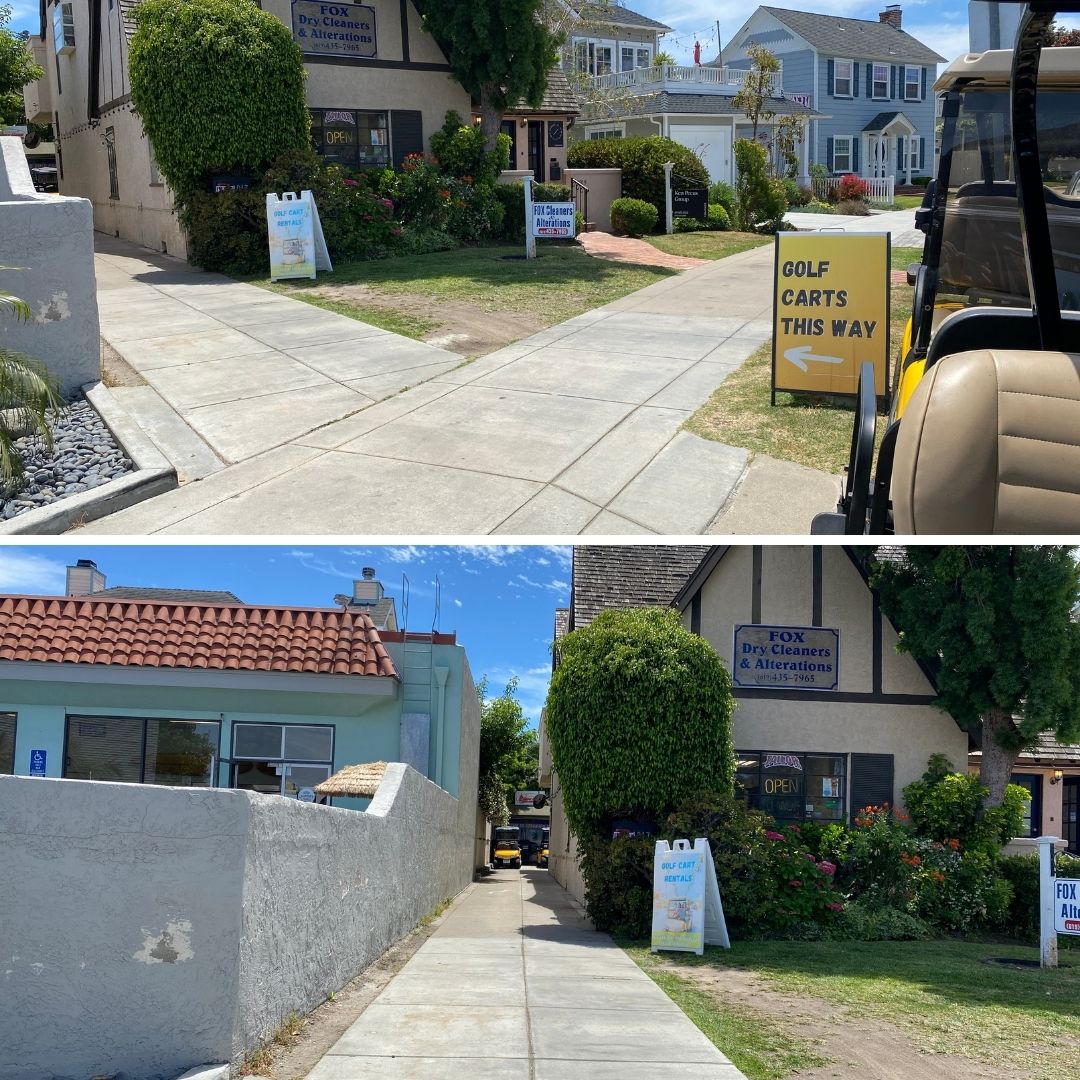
x,y
786,657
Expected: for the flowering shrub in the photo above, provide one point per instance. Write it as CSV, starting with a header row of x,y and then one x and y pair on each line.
x,y
849,188
793,886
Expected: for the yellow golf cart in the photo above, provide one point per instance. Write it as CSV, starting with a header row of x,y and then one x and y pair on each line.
x,y
507,851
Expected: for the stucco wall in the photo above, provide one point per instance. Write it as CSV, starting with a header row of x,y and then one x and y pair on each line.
x,y
52,240
148,929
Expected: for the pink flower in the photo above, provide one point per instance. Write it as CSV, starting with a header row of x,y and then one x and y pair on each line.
x,y
771,835
794,828
351,183
834,906
827,867
809,856
795,883
395,232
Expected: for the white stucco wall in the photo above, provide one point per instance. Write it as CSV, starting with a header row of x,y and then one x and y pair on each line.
x,y
147,929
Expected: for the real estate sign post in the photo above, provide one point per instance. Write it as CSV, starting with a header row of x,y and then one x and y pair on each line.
x,y
1059,904
552,220
297,244
687,910
830,312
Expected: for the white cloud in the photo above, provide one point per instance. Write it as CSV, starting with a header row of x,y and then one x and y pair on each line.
x,y
532,686
21,572
556,585
458,603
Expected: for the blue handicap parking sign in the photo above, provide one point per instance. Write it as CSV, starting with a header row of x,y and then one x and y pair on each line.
x,y
37,762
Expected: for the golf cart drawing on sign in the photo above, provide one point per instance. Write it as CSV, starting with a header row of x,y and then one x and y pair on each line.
x,y
983,432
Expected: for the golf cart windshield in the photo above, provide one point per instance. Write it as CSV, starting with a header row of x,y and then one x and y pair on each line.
x,y
506,838
982,254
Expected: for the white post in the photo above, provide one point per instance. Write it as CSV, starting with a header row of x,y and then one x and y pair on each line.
x,y
1048,951
669,225
530,239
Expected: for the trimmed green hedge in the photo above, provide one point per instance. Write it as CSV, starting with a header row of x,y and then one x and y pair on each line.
x,y
633,217
641,159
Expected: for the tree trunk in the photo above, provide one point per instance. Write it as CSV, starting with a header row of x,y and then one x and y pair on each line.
x,y
490,117
997,762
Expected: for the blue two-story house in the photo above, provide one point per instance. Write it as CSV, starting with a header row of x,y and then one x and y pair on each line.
x,y
869,82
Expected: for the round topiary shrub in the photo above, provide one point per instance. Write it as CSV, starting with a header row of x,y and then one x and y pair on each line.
x,y
633,217
219,87
638,717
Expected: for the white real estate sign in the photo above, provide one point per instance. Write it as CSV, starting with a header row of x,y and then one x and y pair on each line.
x,y
554,220
687,911
1066,906
297,244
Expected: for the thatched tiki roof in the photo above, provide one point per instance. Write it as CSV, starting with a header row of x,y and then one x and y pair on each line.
x,y
357,781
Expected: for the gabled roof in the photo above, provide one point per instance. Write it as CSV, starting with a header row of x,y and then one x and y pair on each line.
x,y
558,97
615,14
639,575
860,39
1047,752
216,637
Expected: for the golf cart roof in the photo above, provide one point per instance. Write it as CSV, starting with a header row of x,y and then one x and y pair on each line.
x,y
1056,66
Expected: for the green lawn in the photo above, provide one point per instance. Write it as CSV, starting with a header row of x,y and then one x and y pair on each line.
x,y
708,245
560,283
943,994
807,430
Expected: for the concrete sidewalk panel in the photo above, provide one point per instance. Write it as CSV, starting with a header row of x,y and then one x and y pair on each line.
x,y
502,432
693,388
273,419
609,524
555,370
356,493
591,1035
392,1030
165,324
552,512
359,1067
632,1070
609,465
485,365
362,355
684,487
312,327
214,381
561,992
394,382
179,349
473,988
608,338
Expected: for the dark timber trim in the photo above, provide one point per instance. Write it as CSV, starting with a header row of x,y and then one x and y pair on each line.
x,y
367,61
93,87
695,613
755,585
698,578
405,30
815,619
834,695
123,99
878,662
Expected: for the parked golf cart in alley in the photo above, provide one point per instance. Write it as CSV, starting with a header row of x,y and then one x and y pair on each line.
x,y
983,427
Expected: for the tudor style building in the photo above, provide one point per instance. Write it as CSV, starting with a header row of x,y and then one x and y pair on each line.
x,y
372,102
825,725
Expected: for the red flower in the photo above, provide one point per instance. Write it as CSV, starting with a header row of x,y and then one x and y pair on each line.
x,y
772,835
827,867
351,183
795,883
834,906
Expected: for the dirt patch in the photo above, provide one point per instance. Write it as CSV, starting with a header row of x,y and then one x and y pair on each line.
x,y
322,1027
859,1049
460,326
115,370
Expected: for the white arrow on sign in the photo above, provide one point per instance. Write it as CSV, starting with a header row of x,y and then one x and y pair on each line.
x,y
799,356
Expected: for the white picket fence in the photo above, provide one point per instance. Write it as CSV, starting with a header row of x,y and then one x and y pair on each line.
x,y
879,189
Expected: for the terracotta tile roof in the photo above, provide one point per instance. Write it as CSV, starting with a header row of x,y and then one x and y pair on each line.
x,y
221,637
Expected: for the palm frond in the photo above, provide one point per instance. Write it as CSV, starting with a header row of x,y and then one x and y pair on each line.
x,y
29,401
20,308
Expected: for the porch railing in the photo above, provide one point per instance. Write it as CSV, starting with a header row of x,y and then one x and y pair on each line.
x,y
723,79
879,189
579,192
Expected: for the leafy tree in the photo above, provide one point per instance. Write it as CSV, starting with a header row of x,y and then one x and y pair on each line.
x,y
219,86
639,717
997,624
662,58
499,50
1060,35
754,94
509,752
17,68
760,199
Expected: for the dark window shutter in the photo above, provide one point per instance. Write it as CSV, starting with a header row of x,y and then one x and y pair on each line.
x,y
855,154
922,155
829,150
869,80
832,80
871,781
854,78
406,134
892,81
922,97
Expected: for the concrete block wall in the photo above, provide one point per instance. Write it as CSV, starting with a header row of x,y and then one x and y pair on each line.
x,y
145,930
50,238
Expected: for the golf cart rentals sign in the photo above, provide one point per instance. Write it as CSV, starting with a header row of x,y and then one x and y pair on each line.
x,y
687,910
830,312
786,657
297,245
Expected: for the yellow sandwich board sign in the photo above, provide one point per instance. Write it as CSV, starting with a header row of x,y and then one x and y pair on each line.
x,y
830,311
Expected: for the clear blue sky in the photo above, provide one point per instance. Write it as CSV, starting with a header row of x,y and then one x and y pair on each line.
x,y
500,599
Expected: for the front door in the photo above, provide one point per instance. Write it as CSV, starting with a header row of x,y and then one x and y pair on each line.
x,y
536,149
278,777
1070,813
509,127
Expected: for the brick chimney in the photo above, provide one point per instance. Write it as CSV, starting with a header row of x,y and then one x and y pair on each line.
x,y
368,590
893,15
84,578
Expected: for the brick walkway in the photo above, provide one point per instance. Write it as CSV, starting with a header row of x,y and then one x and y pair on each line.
x,y
628,250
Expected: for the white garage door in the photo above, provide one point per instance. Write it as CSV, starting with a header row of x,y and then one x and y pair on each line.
x,y
712,144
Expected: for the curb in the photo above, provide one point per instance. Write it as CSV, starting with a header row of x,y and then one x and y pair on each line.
x,y
153,475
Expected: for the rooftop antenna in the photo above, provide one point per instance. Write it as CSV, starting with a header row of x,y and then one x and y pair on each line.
x,y
438,604
404,602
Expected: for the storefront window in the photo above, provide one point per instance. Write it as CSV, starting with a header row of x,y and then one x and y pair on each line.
x,y
7,742
139,750
285,758
351,138
793,787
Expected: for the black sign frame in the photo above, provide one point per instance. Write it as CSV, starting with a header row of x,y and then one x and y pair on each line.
x,y
690,202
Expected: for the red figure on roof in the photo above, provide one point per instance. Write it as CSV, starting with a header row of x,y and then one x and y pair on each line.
x,y
697,53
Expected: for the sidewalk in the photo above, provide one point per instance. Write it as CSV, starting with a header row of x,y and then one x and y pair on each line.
x,y
899,224
515,986
575,430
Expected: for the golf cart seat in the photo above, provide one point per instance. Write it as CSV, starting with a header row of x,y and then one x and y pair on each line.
x,y
990,443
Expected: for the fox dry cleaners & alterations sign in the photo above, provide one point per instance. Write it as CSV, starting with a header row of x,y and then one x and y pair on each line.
x,y
786,657
340,29
553,219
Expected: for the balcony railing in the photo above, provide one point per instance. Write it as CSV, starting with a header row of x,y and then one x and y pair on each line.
x,y
721,80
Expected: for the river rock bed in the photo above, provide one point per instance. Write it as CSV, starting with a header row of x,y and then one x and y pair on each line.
x,y
84,456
